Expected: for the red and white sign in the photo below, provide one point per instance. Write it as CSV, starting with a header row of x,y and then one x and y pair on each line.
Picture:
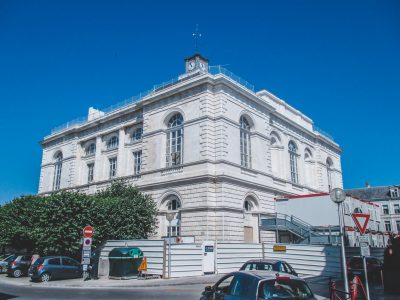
x,y
361,220
88,231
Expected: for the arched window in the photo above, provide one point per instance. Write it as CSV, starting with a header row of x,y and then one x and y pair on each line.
x,y
248,206
57,171
329,165
245,142
174,229
293,162
91,149
175,140
112,143
137,134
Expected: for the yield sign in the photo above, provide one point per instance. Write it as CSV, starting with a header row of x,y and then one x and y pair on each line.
x,y
361,221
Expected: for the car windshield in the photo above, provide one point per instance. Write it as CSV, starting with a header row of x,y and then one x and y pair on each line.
x,y
259,266
284,289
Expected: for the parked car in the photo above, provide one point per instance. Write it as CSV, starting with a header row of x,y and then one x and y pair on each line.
x,y
268,265
55,267
355,267
4,262
19,265
256,285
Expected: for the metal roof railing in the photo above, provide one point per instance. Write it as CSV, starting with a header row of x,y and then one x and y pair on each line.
x,y
213,70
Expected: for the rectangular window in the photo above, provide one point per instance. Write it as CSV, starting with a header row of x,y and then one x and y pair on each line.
x,y
137,160
388,227
385,209
293,168
113,167
174,147
398,226
245,149
57,176
90,172
394,193
396,208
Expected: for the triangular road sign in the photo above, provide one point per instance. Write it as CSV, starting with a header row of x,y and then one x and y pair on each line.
x,y
361,220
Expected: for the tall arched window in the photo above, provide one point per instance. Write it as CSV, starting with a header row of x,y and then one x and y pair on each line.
x,y
175,229
175,140
245,142
112,143
293,162
91,149
329,165
57,171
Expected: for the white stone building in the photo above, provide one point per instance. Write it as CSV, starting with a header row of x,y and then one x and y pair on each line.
x,y
388,198
205,144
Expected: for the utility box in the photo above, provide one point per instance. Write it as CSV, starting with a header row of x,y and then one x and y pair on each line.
x,y
208,257
124,263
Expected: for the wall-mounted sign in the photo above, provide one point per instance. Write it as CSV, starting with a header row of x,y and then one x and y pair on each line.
x,y
279,248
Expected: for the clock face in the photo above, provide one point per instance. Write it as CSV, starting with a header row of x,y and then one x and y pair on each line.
x,y
202,66
191,65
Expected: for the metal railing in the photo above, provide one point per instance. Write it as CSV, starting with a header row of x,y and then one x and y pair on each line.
x,y
321,132
213,70
305,231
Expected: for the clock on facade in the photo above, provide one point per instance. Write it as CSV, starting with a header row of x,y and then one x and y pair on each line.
x,y
191,65
196,62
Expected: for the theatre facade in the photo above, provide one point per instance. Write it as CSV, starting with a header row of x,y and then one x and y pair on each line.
x,y
205,145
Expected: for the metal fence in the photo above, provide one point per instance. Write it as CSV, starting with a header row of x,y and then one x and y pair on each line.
x,y
186,260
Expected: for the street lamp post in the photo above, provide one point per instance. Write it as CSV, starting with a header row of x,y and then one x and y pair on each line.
x,y
338,196
170,216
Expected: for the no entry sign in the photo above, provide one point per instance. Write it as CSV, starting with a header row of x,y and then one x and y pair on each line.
x,y
88,231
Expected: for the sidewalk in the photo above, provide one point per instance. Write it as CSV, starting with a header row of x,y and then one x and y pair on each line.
x,y
110,283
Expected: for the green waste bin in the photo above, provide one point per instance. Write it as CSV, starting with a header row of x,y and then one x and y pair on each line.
x,y
125,262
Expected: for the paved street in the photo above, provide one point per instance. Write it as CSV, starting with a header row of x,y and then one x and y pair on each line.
x,y
179,288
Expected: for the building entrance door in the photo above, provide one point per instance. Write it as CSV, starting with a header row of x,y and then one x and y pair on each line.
x,y
248,234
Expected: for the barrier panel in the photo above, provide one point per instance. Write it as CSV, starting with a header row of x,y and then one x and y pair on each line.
x,y
186,260
152,249
231,256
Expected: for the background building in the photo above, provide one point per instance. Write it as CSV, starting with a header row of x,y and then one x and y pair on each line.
x,y
314,219
388,197
205,145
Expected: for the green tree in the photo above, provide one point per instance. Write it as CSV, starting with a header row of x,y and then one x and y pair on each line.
x,y
52,225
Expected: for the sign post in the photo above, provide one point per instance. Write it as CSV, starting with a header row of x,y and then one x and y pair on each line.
x,y
361,221
87,232
337,195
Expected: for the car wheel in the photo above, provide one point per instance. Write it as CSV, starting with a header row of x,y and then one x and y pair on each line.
x,y
45,277
17,273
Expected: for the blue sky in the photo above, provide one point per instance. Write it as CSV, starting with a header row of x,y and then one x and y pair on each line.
x,y
336,61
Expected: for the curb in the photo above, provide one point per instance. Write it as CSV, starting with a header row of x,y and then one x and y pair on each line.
x,y
103,284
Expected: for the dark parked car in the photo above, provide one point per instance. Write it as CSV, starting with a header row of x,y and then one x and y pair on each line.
x,y
255,285
55,267
355,267
268,265
19,265
4,260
